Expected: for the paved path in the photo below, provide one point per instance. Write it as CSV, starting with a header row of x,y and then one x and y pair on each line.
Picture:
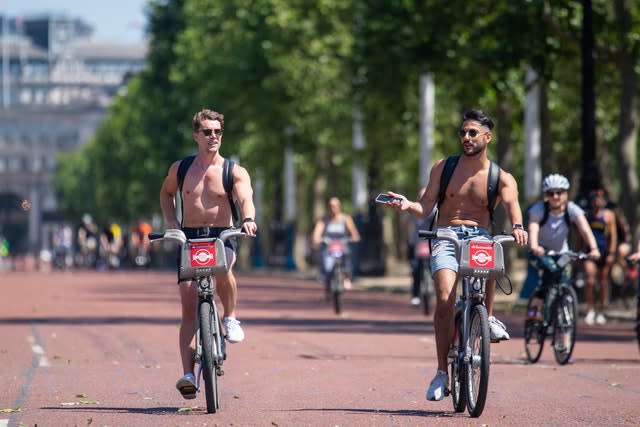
x,y
100,349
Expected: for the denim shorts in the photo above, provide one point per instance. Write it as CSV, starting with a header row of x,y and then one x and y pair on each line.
x,y
443,253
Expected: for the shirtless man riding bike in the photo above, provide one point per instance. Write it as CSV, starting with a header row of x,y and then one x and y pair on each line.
x,y
206,213
463,210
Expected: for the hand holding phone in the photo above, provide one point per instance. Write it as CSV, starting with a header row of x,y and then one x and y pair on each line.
x,y
385,198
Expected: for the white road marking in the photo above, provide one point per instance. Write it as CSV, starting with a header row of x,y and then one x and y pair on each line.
x,y
39,351
4,423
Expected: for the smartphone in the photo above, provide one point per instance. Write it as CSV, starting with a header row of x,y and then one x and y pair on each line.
x,y
385,198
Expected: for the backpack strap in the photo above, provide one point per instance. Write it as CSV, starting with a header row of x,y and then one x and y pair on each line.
x,y
447,172
545,216
227,182
185,164
493,185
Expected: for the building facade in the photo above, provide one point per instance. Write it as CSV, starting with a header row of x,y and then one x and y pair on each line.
x,y
56,87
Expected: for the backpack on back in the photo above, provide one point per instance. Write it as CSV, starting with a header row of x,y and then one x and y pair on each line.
x,y
493,182
227,182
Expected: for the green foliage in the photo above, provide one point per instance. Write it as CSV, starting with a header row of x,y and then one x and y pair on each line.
x,y
291,72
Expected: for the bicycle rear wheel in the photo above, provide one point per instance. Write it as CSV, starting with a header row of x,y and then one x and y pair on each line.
x,y
534,334
457,371
477,368
564,330
208,334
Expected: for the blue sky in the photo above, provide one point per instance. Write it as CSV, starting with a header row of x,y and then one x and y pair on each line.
x,y
113,20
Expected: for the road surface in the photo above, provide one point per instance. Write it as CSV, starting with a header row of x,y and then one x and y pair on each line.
x,y
100,349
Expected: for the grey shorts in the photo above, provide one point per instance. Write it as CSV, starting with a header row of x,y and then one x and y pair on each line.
x,y
443,253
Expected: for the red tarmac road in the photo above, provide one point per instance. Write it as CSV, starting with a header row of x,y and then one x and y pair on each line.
x,y
100,349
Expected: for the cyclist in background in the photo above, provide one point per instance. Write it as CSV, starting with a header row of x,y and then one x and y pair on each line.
x,y
463,210
603,224
87,240
335,225
550,221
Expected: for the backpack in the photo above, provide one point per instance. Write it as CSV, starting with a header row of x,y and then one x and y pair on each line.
x,y
227,182
493,182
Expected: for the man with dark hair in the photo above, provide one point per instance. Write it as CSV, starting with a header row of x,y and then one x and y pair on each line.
x,y
464,209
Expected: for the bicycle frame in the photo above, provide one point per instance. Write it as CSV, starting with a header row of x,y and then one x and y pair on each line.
x,y
478,259
201,260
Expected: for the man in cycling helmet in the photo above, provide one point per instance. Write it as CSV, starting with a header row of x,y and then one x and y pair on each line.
x,y
550,220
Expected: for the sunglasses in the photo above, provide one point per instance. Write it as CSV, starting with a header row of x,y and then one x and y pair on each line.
x,y
553,193
472,133
208,132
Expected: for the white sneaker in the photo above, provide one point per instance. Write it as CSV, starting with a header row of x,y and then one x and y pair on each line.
x,y
415,301
497,330
438,385
590,318
235,334
187,386
600,319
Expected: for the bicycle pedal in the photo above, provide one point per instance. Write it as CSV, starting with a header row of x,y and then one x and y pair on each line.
x,y
219,372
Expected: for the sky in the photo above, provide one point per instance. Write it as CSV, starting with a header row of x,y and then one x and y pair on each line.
x,y
113,20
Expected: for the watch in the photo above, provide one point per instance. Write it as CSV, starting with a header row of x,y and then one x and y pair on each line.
x,y
248,219
517,226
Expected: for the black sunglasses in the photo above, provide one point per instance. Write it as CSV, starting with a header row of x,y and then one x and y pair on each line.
x,y
472,133
552,193
208,132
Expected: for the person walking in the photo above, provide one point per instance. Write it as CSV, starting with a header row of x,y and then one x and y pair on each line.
x,y
603,224
206,213
465,210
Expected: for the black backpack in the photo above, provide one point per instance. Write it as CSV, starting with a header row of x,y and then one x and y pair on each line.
x,y
493,182
227,182
545,216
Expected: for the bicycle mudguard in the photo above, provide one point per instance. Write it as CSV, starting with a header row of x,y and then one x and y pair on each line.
x,y
202,257
481,257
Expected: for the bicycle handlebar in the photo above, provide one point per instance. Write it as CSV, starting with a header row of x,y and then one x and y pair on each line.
x,y
571,254
178,235
450,235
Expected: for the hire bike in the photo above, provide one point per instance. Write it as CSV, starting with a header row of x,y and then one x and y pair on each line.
x,y
423,254
201,260
554,316
479,259
334,279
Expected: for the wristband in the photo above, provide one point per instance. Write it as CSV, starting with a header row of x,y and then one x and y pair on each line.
x,y
248,219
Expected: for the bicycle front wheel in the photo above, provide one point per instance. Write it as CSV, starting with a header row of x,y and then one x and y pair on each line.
x,y
208,334
564,330
477,367
534,333
337,285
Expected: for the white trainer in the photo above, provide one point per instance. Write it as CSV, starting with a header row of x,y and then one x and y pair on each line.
x,y
600,319
590,318
235,334
497,330
438,385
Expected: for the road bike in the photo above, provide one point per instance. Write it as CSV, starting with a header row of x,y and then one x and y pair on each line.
x,y
201,260
423,254
556,315
334,280
479,259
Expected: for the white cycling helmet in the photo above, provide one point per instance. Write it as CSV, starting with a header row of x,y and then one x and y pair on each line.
x,y
555,181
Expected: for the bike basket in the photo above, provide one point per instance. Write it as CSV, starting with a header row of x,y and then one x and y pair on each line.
x,y
336,248
202,257
422,250
481,258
